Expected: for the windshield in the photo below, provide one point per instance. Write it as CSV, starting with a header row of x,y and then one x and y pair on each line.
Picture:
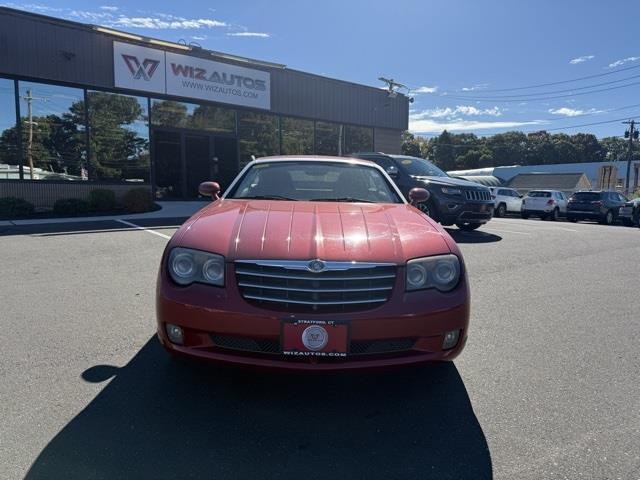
x,y
419,167
315,181
539,194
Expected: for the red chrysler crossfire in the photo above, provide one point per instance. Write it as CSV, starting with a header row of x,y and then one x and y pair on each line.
x,y
312,263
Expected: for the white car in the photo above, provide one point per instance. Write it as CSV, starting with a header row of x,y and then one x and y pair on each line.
x,y
507,200
544,204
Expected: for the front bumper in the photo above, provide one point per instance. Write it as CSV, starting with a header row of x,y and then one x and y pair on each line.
x,y
210,316
626,212
455,212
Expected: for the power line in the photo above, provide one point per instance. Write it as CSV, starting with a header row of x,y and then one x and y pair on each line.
x,y
562,81
502,100
521,95
535,131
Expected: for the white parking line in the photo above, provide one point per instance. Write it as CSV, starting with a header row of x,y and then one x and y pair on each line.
x,y
537,225
506,231
138,227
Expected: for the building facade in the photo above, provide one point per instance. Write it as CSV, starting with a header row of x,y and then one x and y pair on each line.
x,y
83,106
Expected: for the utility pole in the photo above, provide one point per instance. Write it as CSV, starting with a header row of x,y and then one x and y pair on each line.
x,y
630,134
29,99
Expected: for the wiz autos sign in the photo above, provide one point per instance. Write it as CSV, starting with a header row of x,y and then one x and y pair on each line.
x,y
147,69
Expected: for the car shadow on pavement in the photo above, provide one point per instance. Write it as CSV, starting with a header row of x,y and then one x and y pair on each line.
x,y
460,236
163,418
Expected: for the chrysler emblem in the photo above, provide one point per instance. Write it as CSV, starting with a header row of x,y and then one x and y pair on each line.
x,y
316,266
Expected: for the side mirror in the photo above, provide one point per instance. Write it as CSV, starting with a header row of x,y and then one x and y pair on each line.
x,y
418,195
392,171
209,189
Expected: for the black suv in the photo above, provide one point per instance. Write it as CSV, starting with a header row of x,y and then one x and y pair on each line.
x,y
453,201
600,205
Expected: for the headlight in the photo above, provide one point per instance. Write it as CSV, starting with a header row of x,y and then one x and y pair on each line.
x,y
187,266
451,191
441,272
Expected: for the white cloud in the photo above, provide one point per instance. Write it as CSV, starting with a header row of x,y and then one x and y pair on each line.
x,y
425,90
199,37
249,34
158,23
448,112
572,112
581,59
432,126
479,86
617,63
109,8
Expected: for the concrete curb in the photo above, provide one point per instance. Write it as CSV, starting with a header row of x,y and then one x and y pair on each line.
x,y
168,210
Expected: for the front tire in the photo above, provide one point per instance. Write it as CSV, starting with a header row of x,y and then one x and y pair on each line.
x,y
627,222
468,227
501,211
608,218
553,216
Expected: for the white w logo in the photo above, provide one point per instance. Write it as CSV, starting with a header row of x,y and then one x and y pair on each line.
x,y
144,70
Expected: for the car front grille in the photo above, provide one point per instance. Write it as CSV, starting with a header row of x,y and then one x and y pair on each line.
x,y
363,347
291,286
477,194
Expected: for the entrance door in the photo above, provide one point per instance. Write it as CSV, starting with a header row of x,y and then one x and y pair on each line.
x,y
200,164
184,159
226,158
168,165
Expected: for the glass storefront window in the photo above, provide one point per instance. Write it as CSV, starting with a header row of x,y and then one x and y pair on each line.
x,y
119,135
358,139
258,135
9,168
53,132
169,113
297,136
329,138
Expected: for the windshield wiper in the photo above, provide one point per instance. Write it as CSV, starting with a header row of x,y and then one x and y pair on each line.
x,y
267,197
342,199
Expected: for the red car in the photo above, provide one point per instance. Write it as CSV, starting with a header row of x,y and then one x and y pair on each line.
x,y
312,263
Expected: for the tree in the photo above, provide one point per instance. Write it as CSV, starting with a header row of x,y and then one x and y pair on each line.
x,y
444,155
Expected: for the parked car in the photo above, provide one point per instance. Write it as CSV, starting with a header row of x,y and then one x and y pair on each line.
x,y
600,205
506,200
452,201
629,213
312,263
546,204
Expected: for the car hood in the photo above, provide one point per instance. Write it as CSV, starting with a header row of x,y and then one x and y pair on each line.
x,y
449,181
263,229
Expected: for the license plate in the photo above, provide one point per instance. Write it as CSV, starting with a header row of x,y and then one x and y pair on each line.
x,y
314,338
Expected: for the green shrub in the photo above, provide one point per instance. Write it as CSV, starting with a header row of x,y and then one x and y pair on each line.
x,y
138,200
11,207
102,200
71,206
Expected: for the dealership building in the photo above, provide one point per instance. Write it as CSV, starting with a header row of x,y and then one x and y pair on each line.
x,y
85,107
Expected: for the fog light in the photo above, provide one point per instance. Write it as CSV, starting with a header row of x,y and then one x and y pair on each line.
x,y
450,339
175,334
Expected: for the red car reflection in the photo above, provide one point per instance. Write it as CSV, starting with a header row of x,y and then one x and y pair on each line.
x,y
312,263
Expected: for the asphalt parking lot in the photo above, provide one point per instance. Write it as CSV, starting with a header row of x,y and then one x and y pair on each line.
x,y
548,386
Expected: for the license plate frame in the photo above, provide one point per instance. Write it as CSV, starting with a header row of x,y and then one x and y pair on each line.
x,y
300,338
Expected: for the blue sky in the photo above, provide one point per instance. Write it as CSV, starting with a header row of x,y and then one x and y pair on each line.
x,y
450,53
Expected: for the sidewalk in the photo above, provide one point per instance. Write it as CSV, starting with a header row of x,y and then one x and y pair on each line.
x,y
167,210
